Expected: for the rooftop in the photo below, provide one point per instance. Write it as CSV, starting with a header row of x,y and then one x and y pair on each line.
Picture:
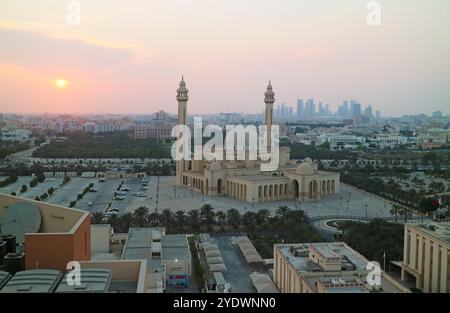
x,y
175,247
153,245
437,230
33,281
93,280
345,272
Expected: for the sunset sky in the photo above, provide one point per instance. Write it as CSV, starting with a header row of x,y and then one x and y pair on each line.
x,y
128,56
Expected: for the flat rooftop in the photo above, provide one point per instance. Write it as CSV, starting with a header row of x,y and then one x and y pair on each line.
x,y
175,247
303,263
353,265
141,243
139,247
437,230
262,178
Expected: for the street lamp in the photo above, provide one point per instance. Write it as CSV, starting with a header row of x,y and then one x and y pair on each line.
x,y
366,209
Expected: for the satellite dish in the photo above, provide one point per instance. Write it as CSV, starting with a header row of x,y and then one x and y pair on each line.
x,y
19,219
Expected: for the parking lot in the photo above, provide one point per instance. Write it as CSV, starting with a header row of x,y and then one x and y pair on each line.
x,y
15,187
42,187
68,192
99,200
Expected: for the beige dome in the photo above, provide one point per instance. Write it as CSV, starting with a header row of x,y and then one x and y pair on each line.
x,y
305,169
308,161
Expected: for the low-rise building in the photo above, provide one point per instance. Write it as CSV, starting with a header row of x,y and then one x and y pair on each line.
x,y
326,268
426,256
168,256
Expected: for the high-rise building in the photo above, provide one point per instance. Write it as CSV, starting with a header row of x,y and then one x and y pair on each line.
x,y
343,110
378,114
368,111
437,114
300,109
310,109
355,108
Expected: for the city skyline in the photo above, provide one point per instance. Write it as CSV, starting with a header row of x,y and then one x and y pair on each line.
x,y
114,64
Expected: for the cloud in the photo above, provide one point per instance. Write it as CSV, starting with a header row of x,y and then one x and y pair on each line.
x,y
38,51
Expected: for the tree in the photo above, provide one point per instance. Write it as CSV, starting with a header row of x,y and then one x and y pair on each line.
x,y
126,221
23,189
396,210
140,216
221,218
167,217
405,212
262,216
180,219
194,218
282,212
97,217
154,219
234,218
51,190
207,214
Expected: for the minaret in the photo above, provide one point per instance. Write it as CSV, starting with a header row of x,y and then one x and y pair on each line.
x,y
269,99
182,98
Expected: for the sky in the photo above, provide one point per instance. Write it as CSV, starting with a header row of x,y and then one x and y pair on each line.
x,y
127,57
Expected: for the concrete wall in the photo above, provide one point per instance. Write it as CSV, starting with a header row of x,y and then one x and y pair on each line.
x,y
100,238
64,235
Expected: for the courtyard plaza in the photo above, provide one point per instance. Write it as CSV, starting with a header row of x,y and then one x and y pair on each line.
x,y
348,202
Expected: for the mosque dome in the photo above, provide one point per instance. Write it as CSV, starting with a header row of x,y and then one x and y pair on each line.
x,y
305,169
308,161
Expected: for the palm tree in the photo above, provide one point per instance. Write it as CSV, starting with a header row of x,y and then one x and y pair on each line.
x,y
282,212
221,217
96,217
262,216
140,216
194,218
126,221
395,210
248,219
154,219
405,211
167,218
180,218
234,218
208,215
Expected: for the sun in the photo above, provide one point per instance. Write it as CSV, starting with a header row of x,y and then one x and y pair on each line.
x,y
61,83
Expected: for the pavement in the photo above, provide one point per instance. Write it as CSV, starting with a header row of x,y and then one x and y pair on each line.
x,y
348,201
42,187
15,187
237,274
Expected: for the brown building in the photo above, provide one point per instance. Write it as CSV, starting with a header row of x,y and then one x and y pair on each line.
x,y
63,236
158,132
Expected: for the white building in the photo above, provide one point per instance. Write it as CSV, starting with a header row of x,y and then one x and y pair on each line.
x,y
14,134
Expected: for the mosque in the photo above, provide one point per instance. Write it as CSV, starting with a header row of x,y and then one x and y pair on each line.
x,y
243,180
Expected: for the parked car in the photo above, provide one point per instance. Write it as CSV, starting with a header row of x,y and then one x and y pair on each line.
x,y
119,198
